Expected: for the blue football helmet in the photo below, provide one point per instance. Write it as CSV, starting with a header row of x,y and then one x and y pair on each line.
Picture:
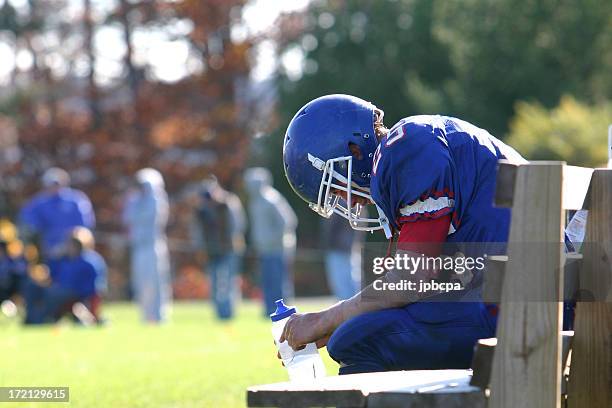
x,y
329,147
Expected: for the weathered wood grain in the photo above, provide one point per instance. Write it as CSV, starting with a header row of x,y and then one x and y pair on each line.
x,y
356,390
576,182
526,366
483,358
590,383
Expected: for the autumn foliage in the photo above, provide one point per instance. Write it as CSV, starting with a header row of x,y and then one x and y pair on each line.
x,y
103,134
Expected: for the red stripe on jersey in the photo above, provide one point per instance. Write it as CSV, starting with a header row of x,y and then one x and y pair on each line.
x,y
424,236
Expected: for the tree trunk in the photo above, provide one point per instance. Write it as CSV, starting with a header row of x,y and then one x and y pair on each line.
x,y
92,89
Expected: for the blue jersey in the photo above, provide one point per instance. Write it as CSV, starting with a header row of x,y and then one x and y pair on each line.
x,y
77,274
53,216
431,166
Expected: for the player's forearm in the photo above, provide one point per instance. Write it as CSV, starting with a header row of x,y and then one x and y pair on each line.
x,y
344,310
371,299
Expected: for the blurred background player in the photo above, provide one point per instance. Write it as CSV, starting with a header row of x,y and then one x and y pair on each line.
x,y
272,227
13,274
91,255
72,279
51,215
342,245
145,216
218,233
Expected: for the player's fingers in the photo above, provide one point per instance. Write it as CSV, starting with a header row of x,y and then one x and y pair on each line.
x,y
290,336
283,336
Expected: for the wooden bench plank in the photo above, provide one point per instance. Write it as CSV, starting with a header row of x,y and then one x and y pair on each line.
x,y
450,394
493,277
472,399
354,390
527,365
304,399
591,372
576,182
482,362
483,358
504,184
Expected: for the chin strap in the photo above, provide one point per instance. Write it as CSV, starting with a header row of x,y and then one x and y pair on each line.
x,y
390,245
384,223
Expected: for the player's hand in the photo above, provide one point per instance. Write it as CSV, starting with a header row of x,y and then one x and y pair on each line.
x,y
302,329
320,343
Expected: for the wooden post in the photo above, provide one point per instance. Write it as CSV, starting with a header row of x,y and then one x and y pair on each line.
x,y
526,366
591,370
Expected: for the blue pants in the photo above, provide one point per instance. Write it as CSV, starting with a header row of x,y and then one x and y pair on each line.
x,y
339,269
44,304
424,335
273,279
223,271
10,285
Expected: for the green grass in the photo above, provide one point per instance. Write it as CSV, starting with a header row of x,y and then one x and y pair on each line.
x,y
193,361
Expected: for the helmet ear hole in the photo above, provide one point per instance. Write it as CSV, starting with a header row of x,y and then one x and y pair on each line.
x,y
355,151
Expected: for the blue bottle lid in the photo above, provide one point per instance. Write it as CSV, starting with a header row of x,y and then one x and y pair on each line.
x,y
282,311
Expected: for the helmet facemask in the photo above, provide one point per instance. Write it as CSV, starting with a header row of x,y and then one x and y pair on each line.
x,y
329,202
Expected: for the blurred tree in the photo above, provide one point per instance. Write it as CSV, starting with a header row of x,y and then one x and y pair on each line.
x,y
503,51
133,77
470,58
573,131
8,18
102,124
92,87
473,59
383,51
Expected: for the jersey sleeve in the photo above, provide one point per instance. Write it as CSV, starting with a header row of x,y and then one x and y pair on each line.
x,y
29,216
414,174
424,236
88,217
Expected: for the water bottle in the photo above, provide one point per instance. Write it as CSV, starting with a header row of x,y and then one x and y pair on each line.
x,y
576,228
302,365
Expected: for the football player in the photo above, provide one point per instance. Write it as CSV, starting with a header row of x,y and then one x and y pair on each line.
x,y
431,180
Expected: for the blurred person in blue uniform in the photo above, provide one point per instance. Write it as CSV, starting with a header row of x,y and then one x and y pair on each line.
x,y
92,256
89,252
13,272
272,227
72,279
218,232
145,216
342,245
52,214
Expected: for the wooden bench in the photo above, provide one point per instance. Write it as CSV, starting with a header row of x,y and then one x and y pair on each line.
x,y
523,366
446,388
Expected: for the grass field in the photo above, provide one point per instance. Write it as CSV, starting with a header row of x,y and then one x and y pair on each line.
x,y
194,361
